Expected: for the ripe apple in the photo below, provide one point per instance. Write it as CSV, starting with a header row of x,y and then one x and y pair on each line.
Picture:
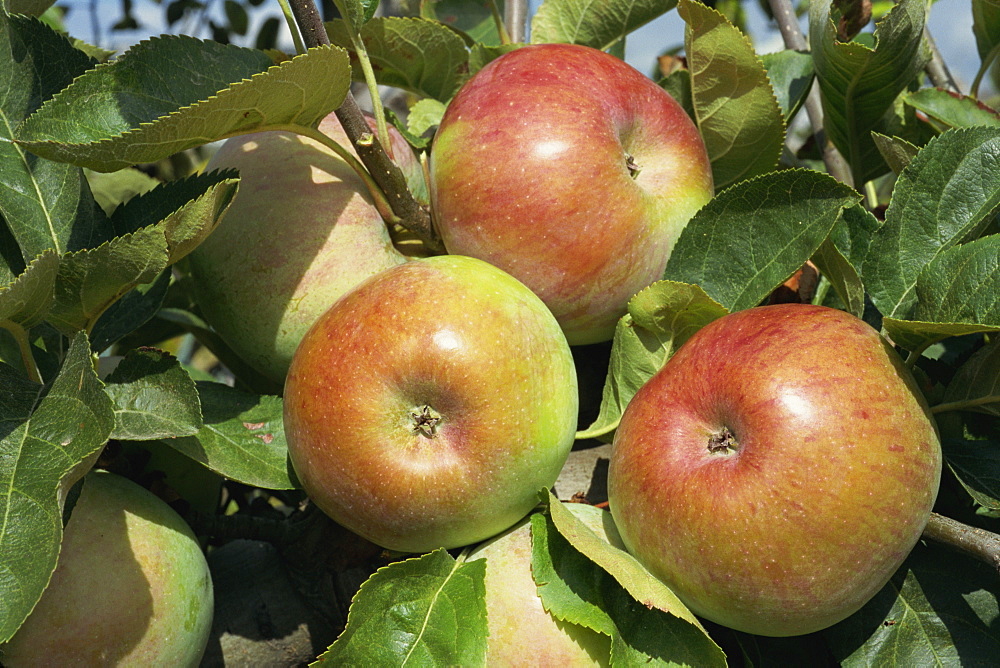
x,y
301,231
522,632
573,172
777,470
132,586
429,405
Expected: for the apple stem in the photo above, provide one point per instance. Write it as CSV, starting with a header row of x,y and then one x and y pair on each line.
x,y
24,346
979,543
791,33
498,20
965,403
386,173
293,28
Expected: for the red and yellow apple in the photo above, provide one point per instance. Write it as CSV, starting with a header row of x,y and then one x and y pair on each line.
x,y
132,586
777,470
301,231
571,171
430,404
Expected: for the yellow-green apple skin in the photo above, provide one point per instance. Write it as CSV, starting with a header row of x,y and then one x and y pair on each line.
x,y
132,586
573,172
777,470
522,632
301,231
430,404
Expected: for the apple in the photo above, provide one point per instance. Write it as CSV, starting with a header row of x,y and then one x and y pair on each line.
x,y
132,586
777,470
301,231
521,631
429,405
573,172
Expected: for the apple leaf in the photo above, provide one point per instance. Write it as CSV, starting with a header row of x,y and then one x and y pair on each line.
x,y
91,280
425,611
358,11
842,276
153,397
242,437
951,110
44,436
957,293
986,26
424,115
678,84
947,194
137,307
481,55
859,84
46,204
791,74
940,608
26,301
187,210
418,55
896,151
596,24
575,588
735,107
752,236
111,189
472,19
977,382
976,465
636,354
124,112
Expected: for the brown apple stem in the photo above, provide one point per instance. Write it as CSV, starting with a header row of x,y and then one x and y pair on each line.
x,y
979,543
386,173
936,69
788,24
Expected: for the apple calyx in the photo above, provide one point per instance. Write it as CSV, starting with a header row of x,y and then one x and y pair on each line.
x,y
723,443
425,421
633,166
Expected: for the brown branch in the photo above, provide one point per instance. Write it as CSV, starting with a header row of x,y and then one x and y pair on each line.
x,y
386,173
979,543
788,24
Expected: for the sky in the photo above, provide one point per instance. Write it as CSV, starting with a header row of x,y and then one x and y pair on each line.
x,y
950,24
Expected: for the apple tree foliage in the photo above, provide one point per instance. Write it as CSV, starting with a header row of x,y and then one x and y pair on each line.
x,y
907,236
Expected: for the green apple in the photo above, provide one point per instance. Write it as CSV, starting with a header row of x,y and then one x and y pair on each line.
x,y
522,632
301,231
430,404
777,470
573,172
132,586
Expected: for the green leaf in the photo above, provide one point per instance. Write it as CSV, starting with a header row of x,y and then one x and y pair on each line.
x,y
358,11
952,110
90,281
424,115
575,588
791,74
47,205
977,381
842,276
678,84
897,152
186,210
137,307
946,195
153,397
242,437
114,188
44,437
752,236
418,55
123,113
472,19
859,84
481,55
737,113
976,465
939,609
26,301
986,26
237,17
596,24
425,611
